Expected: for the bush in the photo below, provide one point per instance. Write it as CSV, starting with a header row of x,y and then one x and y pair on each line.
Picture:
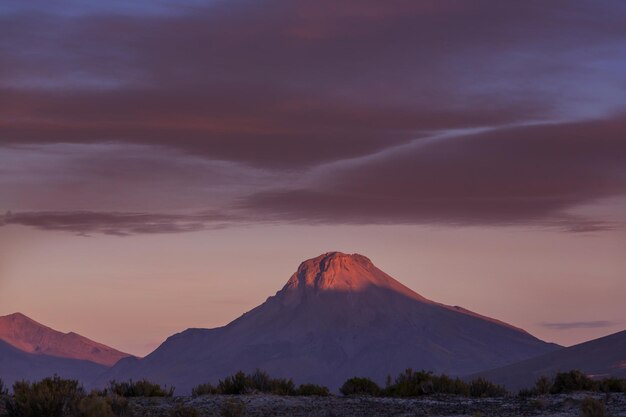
x,y
183,411
51,397
232,408
233,385
571,381
543,385
94,406
360,386
411,384
240,383
612,385
311,390
443,384
142,388
480,387
204,389
592,408
119,405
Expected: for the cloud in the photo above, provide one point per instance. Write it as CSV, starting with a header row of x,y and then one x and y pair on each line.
x,y
282,85
359,112
579,325
117,224
509,176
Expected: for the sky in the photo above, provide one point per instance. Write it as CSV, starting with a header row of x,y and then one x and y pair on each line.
x,y
166,165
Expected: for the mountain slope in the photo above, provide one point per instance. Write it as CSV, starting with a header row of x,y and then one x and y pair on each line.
x,y
16,365
338,316
29,336
601,357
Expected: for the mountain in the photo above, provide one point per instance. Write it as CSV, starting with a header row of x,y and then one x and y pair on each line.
x,y
29,336
17,365
338,316
601,357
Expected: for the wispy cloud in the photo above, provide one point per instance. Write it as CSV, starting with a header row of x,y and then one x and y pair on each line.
x,y
119,224
598,324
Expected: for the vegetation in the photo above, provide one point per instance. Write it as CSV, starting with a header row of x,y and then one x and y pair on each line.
x,y
572,381
258,382
58,397
51,397
482,388
3,388
592,408
612,385
142,388
575,380
95,406
418,383
312,390
360,386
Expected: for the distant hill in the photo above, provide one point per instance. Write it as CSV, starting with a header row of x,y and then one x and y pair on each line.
x,y
601,357
29,336
16,365
338,316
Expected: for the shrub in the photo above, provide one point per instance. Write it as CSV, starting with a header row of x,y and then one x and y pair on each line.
x,y
119,405
232,408
93,406
590,407
142,388
360,386
51,397
443,384
204,389
480,387
240,383
311,390
183,411
411,384
233,385
612,385
570,381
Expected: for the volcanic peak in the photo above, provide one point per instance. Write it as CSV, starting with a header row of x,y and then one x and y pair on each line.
x,y
340,272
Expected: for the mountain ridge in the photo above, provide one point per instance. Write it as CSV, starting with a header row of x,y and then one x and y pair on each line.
x,y
601,357
30,336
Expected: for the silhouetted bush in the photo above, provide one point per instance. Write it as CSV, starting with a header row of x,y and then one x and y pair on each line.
x,y
360,386
94,406
233,385
50,397
543,385
142,388
574,380
443,384
240,383
204,389
184,411
232,408
312,390
480,387
411,384
3,388
571,381
612,385
590,407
